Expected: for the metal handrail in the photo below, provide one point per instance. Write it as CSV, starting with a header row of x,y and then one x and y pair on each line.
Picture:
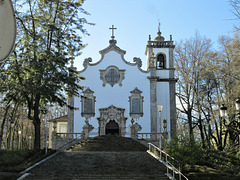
x,y
25,172
166,161
60,148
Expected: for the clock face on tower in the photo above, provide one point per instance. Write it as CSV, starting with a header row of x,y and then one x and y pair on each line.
x,y
112,75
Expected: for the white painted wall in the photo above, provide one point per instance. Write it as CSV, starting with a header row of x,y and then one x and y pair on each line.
x,y
116,95
163,98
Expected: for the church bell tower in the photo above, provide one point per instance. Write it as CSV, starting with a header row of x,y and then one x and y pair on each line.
x,y
160,63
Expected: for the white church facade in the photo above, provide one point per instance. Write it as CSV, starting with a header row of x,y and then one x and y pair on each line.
x,y
119,94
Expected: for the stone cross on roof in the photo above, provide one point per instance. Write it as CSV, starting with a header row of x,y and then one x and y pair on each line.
x,y
112,28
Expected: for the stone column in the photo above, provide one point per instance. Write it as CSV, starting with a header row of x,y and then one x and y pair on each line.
x,y
172,92
153,100
70,124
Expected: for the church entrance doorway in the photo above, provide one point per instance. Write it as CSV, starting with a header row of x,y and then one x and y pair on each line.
x,y
112,128
112,121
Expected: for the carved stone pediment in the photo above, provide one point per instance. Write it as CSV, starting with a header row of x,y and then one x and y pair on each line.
x,y
112,113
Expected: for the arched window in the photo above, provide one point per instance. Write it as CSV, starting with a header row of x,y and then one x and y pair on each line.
x,y
161,61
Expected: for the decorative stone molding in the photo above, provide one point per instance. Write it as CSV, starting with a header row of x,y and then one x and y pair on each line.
x,y
88,104
112,113
136,104
138,61
86,62
152,63
112,75
86,130
135,128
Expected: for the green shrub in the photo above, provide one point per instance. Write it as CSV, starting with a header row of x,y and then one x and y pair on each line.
x,y
238,155
186,152
8,157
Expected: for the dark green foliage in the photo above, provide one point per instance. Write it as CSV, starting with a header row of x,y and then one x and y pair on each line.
x,y
49,38
238,155
186,152
8,158
193,158
18,160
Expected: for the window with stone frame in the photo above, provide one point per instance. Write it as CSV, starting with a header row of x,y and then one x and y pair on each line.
x,y
136,103
161,61
88,103
112,75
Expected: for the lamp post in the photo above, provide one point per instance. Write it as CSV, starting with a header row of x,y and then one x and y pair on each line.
x,y
30,142
160,107
238,116
19,140
235,124
46,126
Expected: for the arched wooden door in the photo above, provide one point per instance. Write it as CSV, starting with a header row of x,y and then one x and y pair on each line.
x,y
112,128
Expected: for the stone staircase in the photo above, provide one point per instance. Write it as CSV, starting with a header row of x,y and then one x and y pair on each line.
x,y
103,157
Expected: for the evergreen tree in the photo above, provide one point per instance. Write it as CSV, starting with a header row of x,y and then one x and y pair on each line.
x,y
49,37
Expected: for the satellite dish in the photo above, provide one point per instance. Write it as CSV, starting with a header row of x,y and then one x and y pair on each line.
x,y
7,29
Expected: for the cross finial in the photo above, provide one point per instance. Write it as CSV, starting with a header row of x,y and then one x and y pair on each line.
x,y
112,28
159,24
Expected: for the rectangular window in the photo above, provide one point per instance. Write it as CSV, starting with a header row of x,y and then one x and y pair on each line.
x,y
88,106
136,108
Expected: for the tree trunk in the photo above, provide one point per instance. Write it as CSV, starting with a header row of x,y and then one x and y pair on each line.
x,y
2,126
37,140
202,132
37,124
191,134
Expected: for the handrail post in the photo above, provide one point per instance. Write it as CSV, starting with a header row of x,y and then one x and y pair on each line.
x,y
180,176
160,154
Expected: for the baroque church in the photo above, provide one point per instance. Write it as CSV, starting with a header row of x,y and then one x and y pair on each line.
x,y
119,94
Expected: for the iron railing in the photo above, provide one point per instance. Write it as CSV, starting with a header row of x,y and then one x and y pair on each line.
x,y
165,159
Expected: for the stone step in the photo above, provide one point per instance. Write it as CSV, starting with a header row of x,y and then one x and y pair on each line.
x,y
104,157
97,177
109,143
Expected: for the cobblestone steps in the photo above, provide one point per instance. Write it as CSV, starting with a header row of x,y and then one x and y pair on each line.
x,y
88,161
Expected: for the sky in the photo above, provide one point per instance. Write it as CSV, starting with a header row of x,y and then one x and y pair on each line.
x,y
135,20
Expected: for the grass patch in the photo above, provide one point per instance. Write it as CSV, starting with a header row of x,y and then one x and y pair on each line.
x,y
18,160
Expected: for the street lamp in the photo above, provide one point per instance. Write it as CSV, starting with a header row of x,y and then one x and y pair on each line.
x,y
54,125
165,134
160,107
238,104
223,111
238,107
233,124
